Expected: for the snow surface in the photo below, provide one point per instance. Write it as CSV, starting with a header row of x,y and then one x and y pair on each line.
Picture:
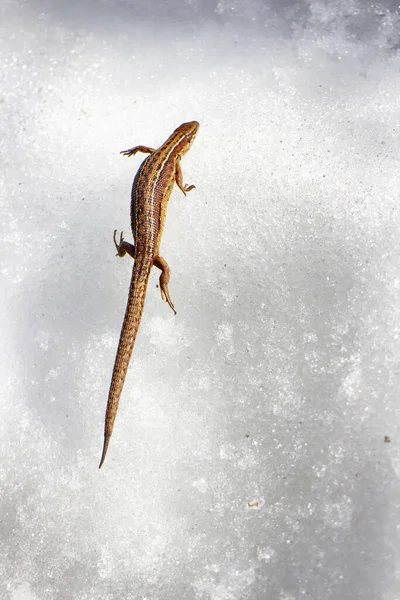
x,y
249,458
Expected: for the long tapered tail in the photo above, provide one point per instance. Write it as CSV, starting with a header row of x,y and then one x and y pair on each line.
x,y
133,316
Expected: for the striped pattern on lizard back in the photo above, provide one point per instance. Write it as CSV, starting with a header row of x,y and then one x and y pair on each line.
x,y
151,190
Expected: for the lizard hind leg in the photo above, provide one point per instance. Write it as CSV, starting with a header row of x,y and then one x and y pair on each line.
x,y
162,264
122,246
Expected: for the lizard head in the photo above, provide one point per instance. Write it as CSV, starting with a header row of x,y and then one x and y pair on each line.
x,y
186,132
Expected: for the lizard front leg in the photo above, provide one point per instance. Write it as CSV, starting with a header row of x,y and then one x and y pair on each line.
x,y
179,178
132,151
162,264
123,247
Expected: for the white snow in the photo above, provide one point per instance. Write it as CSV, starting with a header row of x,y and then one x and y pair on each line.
x,y
248,460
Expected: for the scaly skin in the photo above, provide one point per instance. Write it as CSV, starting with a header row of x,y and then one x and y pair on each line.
x,y
151,190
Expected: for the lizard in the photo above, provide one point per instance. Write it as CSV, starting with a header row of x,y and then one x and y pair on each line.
x,y
151,190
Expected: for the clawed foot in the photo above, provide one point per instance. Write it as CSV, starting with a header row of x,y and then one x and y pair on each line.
x,y
129,152
165,295
121,251
187,188
132,151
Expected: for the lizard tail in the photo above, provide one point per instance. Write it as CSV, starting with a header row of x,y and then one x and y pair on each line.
x,y
105,448
130,327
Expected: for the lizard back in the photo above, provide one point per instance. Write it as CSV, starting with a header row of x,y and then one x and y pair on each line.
x,y
152,187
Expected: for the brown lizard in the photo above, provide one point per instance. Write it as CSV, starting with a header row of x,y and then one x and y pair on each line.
x,y
151,190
